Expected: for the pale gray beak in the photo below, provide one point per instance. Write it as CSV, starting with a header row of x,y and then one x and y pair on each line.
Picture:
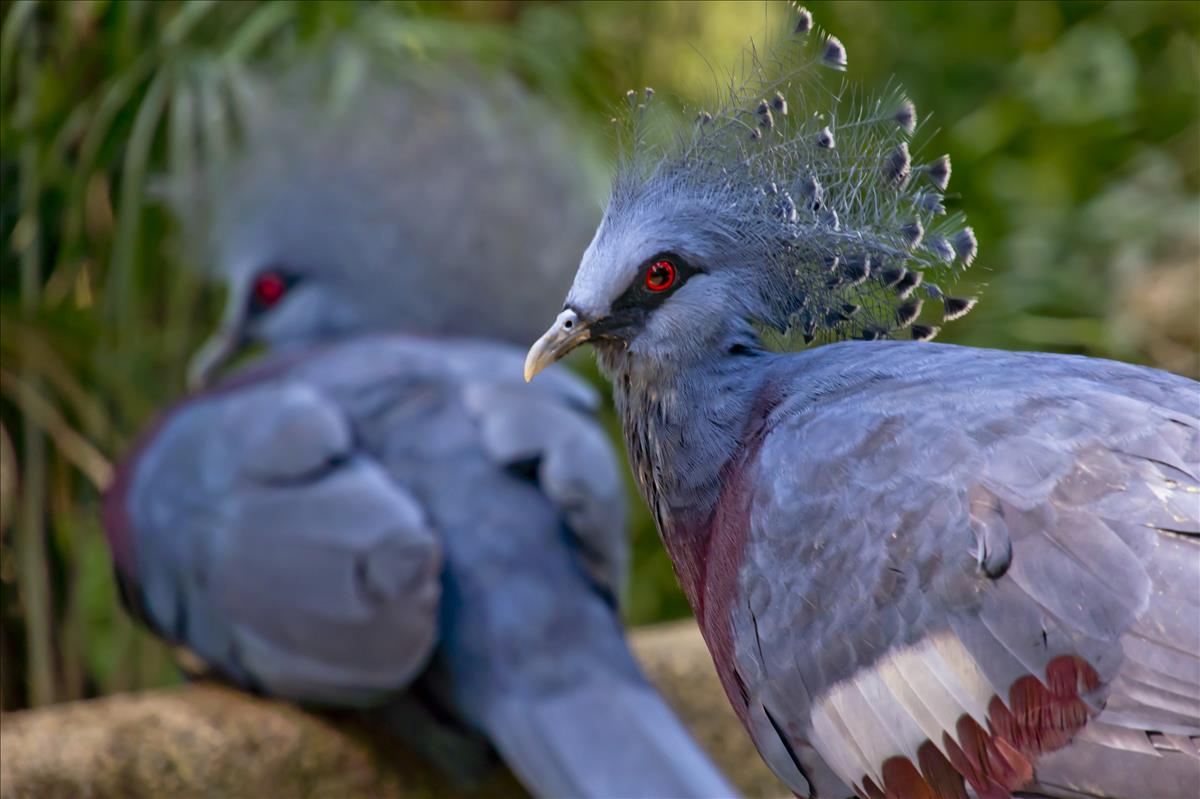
x,y
215,352
224,343
567,333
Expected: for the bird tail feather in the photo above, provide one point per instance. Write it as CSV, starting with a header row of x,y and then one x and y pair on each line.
x,y
608,737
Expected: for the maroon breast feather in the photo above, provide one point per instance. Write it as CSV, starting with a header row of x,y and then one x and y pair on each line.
x,y
710,550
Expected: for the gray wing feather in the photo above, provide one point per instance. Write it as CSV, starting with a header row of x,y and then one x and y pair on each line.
x,y
278,553
575,467
548,424
629,734
524,490
1009,509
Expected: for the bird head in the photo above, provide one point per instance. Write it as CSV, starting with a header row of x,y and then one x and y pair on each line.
x,y
793,212
435,204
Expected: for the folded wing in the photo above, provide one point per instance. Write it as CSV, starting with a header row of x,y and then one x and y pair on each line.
x,y
989,582
253,531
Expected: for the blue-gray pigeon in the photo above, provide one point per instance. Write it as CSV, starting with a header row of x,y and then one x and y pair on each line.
x,y
922,570
380,515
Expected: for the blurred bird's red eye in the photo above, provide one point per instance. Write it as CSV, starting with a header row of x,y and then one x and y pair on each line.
x,y
269,289
660,276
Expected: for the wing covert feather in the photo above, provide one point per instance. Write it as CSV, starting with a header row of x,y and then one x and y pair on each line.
x,y
280,554
1034,526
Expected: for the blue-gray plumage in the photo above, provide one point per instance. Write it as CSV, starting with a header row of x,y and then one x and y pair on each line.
x,y
922,570
393,521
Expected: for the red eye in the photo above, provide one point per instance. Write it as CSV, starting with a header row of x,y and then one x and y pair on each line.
x,y
269,289
660,276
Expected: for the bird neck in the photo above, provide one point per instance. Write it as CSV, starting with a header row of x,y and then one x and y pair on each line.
x,y
686,427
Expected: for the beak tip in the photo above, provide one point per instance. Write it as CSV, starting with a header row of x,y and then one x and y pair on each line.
x,y
564,335
196,379
209,358
533,363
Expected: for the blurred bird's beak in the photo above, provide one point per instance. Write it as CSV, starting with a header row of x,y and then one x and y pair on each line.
x,y
221,346
567,333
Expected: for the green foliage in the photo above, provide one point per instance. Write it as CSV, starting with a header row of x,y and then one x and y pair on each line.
x,y
1073,127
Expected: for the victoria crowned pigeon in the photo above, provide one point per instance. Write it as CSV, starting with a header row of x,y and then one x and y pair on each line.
x,y
921,570
380,515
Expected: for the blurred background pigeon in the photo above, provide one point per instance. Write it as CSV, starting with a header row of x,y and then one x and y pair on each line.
x,y
379,514
922,570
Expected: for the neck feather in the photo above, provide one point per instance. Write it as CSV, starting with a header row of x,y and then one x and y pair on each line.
x,y
685,426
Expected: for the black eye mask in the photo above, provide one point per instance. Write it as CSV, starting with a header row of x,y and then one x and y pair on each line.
x,y
658,278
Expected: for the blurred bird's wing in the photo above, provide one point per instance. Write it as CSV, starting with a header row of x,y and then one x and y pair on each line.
x,y
284,529
605,731
525,493
557,441
252,529
978,568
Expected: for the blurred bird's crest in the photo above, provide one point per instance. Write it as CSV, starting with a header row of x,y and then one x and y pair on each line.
x,y
436,199
841,233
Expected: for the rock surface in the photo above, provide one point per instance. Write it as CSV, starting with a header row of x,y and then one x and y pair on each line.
x,y
209,741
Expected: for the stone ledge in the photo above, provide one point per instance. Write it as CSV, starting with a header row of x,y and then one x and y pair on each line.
x,y
209,741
